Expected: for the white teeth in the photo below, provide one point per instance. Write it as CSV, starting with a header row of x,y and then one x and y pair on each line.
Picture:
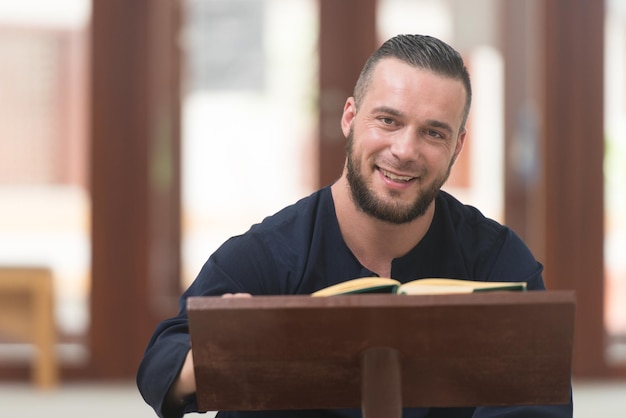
x,y
394,177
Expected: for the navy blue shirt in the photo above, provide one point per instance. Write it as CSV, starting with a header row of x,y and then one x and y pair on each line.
x,y
300,250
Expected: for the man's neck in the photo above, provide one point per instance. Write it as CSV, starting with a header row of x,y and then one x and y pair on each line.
x,y
373,242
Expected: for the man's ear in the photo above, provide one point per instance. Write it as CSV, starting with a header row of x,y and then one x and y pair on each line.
x,y
349,113
459,145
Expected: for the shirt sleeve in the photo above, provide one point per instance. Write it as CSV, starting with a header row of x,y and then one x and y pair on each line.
x,y
170,342
161,364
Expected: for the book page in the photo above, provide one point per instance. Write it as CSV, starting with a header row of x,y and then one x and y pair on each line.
x,y
360,285
443,285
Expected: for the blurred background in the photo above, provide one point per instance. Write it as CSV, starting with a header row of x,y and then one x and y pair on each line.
x,y
136,136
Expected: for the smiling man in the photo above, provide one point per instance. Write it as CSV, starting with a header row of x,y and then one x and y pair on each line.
x,y
385,216
409,122
412,120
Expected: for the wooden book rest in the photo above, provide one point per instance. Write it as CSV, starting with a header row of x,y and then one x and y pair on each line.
x,y
382,352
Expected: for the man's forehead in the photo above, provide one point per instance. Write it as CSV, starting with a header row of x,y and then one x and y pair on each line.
x,y
396,84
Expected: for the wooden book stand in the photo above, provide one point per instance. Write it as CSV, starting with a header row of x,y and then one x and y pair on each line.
x,y
382,352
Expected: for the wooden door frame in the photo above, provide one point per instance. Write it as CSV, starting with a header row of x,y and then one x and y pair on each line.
x,y
134,54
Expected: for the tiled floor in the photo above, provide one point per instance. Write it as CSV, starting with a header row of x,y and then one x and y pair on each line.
x,y
601,399
73,401
591,399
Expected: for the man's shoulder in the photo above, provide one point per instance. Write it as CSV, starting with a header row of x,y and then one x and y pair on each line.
x,y
468,221
458,210
279,239
489,249
305,210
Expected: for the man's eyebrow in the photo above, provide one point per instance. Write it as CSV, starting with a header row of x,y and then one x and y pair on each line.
x,y
388,110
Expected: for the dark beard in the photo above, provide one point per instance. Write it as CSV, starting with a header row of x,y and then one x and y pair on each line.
x,y
387,212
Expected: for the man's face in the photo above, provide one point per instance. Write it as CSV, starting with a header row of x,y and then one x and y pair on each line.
x,y
403,140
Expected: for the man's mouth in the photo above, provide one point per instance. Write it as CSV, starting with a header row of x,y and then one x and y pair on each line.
x,y
395,177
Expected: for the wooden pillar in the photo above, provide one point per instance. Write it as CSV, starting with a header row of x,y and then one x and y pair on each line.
x,y
347,39
554,197
524,205
573,145
134,177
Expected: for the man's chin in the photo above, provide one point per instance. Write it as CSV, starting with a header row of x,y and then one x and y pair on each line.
x,y
393,213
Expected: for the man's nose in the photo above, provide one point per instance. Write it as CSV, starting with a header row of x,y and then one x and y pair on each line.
x,y
405,146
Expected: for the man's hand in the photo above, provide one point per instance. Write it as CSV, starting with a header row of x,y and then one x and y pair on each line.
x,y
185,383
236,295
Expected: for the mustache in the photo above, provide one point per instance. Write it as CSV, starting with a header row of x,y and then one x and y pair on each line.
x,y
412,168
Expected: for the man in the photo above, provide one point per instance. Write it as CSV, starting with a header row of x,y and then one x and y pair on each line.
x,y
385,216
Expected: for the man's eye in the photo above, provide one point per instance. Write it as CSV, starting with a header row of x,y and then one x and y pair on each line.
x,y
387,121
434,134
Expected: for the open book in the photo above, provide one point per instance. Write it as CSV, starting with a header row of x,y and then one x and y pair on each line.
x,y
416,287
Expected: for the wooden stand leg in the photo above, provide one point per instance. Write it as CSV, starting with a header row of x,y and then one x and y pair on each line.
x,y
46,369
27,314
381,383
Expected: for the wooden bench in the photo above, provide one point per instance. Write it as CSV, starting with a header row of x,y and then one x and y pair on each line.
x,y
27,314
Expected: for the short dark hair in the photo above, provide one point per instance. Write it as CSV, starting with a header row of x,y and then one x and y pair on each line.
x,y
420,51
